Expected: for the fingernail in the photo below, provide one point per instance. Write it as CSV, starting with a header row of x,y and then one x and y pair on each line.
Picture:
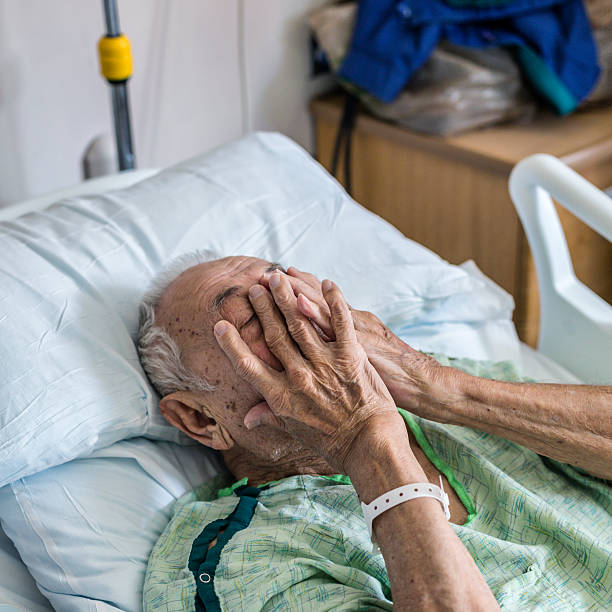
x,y
251,424
256,291
326,285
221,328
275,280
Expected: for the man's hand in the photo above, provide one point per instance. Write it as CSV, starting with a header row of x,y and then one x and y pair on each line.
x,y
573,423
332,399
391,357
328,394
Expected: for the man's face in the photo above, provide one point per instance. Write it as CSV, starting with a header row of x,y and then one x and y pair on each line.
x,y
189,309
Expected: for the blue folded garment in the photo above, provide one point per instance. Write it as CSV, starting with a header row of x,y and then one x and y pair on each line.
x,y
553,39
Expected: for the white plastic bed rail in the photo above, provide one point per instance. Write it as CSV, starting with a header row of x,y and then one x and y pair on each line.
x,y
575,323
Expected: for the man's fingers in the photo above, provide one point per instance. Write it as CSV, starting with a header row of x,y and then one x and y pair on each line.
x,y
299,285
316,315
308,278
260,414
318,311
247,365
341,318
299,327
310,302
301,282
275,333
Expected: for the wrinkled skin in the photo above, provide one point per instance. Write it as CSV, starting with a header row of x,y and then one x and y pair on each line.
x,y
328,391
217,419
386,352
187,311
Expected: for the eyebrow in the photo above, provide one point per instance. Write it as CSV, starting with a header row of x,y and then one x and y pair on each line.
x,y
276,266
223,295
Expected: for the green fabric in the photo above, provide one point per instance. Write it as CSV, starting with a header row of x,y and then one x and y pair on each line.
x,y
440,465
542,536
546,81
229,490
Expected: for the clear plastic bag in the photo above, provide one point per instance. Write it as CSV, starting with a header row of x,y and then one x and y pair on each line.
x,y
457,89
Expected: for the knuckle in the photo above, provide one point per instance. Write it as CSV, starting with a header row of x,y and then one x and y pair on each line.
x,y
245,367
274,337
335,297
262,306
282,297
299,330
280,400
299,377
337,308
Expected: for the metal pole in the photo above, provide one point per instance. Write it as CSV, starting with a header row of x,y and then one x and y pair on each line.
x,y
121,109
123,129
112,18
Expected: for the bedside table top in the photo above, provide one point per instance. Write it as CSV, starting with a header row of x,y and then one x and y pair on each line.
x,y
578,139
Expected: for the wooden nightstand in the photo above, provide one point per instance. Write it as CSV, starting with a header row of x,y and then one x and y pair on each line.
x,y
451,194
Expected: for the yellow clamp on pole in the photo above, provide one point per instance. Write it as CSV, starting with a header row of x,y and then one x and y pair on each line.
x,y
115,58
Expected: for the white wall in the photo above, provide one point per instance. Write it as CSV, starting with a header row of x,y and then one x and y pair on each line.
x,y
205,71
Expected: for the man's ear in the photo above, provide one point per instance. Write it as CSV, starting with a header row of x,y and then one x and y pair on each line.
x,y
185,410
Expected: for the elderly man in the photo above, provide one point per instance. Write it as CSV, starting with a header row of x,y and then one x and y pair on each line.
x,y
309,395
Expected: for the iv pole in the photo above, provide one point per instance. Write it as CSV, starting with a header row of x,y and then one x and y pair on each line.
x,y
116,66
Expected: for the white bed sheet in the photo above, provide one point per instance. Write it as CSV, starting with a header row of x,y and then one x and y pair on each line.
x,y
491,337
113,507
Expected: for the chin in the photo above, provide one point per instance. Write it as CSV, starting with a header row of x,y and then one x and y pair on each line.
x,y
275,445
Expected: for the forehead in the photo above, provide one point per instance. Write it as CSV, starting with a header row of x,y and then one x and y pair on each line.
x,y
209,286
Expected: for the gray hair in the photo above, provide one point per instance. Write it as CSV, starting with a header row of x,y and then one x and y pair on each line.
x,y
159,353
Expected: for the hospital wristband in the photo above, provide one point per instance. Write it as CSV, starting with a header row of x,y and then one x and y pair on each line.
x,y
399,496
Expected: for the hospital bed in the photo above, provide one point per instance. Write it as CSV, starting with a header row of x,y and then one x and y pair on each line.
x,y
90,476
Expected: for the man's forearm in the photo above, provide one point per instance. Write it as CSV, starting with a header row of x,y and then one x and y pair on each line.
x,y
568,423
428,566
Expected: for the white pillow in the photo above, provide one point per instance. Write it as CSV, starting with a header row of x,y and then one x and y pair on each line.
x,y
72,277
85,529
70,381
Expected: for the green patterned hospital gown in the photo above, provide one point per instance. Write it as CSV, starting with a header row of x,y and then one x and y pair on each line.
x,y
539,531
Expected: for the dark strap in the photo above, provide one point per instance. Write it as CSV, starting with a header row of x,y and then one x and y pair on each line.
x,y
203,561
345,132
